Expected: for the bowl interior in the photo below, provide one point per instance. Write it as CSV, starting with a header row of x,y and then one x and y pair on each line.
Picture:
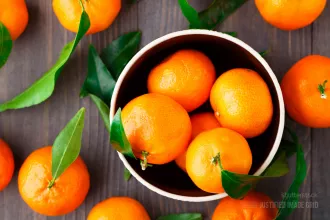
x,y
225,55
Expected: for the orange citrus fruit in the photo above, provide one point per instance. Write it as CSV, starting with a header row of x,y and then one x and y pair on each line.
x,y
290,14
203,154
255,205
242,102
157,127
7,164
186,76
14,15
101,13
306,91
118,208
200,122
68,192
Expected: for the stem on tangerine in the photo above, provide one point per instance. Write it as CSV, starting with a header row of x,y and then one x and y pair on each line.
x,y
144,162
216,160
321,88
51,184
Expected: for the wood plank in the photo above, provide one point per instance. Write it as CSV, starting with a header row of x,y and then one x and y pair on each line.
x,y
29,129
321,137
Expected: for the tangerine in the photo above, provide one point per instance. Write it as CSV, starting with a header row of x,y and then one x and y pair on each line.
x,y
242,102
7,164
68,192
186,76
157,127
205,151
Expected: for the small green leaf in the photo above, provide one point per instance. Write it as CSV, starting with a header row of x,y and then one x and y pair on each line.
x,y
127,174
99,81
291,198
6,44
120,51
118,137
43,88
264,53
184,216
278,167
66,147
218,11
233,34
103,109
191,14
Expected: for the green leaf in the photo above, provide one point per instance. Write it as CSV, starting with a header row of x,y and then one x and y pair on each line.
x,y
6,44
233,34
278,167
118,137
103,109
218,11
99,81
185,216
238,185
291,198
264,53
120,52
191,14
67,145
43,88
127,174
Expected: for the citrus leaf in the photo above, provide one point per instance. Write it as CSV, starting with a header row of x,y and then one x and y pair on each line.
x,y
43,88
99,81
218,11
184,216
191,14
118,137
238,185
103,109
120,51
264,53
233,34
291,198
127,174
66,147
6,44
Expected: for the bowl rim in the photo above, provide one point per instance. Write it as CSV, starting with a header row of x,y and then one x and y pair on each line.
x,y
228,38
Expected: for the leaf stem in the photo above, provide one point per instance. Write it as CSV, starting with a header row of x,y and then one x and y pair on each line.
x,y
51,184
144,162
217,160
321,88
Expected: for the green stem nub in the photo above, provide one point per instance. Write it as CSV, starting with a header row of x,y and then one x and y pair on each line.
x,y
216,160
51,184
144,162
321,88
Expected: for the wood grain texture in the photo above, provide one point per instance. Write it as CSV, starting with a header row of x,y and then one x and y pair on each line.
x,y
321,137
37,50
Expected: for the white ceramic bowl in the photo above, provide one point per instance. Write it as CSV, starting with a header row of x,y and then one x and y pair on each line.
x,y
226,52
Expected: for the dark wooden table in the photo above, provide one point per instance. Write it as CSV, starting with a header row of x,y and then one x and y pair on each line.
x,y
28,129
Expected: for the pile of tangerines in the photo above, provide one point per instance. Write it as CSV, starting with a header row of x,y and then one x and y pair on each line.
x,y
158,124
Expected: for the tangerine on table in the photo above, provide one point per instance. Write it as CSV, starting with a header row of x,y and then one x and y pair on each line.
x,y
68,192
242,102
14,15
306,92
292,14
7,164
203,155
200,122
157,127
118,208
186,76
101,13
254,205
